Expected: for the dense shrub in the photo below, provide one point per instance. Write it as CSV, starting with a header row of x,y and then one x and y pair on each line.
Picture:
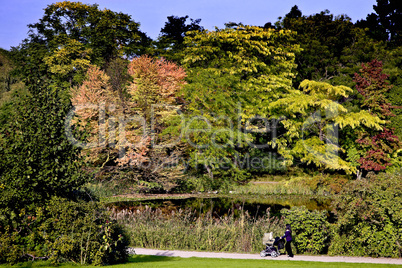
x,y
37,159
327,184
64,230
310,229
369,218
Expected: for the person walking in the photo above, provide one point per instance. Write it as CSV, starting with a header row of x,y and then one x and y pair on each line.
x,y
288,236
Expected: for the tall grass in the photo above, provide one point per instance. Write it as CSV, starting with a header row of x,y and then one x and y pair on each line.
x,y
280,188
187,230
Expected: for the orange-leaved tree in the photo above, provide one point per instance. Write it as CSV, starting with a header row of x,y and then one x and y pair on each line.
x,y
124,129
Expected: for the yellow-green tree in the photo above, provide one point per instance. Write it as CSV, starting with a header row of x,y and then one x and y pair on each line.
x,y
311,118
233,75
70,35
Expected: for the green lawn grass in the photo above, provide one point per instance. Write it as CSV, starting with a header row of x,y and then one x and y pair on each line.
x,y
162,261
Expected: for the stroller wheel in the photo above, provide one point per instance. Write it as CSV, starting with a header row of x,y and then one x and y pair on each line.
x,y
263,253
274,254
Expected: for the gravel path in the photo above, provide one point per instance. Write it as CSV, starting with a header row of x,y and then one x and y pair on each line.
x,y
187,254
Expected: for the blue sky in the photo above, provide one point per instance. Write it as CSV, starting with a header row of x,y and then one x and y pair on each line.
x,y
15,15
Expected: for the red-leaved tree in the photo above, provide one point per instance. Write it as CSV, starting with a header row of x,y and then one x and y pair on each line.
x,y
377,145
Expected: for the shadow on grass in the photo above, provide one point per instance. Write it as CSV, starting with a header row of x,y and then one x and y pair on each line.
x,y
150,258
29,264
132,259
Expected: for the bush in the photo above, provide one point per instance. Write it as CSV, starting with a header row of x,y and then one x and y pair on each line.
x,y
327,183
63,230
369,218
37,159
310,229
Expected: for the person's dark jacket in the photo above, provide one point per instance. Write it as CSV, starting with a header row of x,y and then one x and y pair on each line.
x,y
288,236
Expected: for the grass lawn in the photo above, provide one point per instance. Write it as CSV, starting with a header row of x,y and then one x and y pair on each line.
x,y
161,261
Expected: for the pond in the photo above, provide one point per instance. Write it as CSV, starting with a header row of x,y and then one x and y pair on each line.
x,y
222,206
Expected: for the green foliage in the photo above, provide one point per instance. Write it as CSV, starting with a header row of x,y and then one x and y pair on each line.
x,y
311,119
69,36
68,63
233,74
310,229
64,230
10,251
170,41
8,81
212,131
108,34
37,160
322,37
262,59
369,217
393,67
390,17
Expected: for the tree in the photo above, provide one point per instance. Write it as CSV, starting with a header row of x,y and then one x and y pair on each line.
x,y
311,119
171,38
333,48
294,13
378,146
322,37
108,34
262,59
37,159
233,75
124,128
376,30
68,63
94,101
393,67
390,17
385,24
71,34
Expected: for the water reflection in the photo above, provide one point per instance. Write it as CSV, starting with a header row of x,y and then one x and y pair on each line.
x,y
222,206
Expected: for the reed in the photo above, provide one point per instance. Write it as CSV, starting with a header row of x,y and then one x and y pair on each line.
x,y
279,188
187,230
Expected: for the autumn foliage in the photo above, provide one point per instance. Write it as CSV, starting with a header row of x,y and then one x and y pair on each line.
x,y
119,125
377,145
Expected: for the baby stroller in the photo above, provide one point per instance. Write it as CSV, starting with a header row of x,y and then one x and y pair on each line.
x,y
272,246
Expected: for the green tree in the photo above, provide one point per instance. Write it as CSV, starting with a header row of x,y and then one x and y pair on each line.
x,y
69,35
262,59
294,13
390,17
68,63
385,24
310,229
108,34
393,67
37,159
171,38
233,75
311,119
376,30
322,37
333,48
